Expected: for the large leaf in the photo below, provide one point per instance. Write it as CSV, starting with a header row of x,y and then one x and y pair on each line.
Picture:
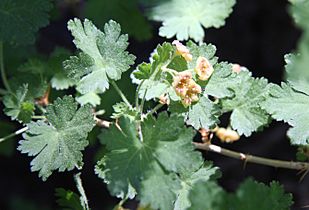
x,y
247,115
57,144
21,19
130,159
185,18
290,106
103,55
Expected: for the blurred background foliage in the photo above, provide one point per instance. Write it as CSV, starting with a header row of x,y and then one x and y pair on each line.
x,y
256,35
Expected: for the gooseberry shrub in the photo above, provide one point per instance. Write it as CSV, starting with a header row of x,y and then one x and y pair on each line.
x,y
151,155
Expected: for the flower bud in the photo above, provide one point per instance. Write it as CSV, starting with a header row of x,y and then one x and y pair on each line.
x,y
203,68
236,68
227,135
182,50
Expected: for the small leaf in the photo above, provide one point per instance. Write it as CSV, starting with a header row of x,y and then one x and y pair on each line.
x,y
203,114
89,98
188,179
67,199
19,106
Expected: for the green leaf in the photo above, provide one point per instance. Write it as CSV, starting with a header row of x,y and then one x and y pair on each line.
x,y
103,58
250,195
283,104
18,105
89,98
158,189
57,144
255,196
299,10
247,115
207,196
297,67
67,199
204,174
166,141
222,81
205,50
59,80
185,18
32,73
123,110
154,82
144,71
203,114
136,25
21,19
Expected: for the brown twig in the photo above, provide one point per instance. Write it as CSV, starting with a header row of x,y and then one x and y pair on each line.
x,y
102,123
253,159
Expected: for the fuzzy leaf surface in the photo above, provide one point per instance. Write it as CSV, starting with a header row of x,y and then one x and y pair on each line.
x,y
130,160
285,104
188,179
103,56
58,143
203,114
186,19
247,115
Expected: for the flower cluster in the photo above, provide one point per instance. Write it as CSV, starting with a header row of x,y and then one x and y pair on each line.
x,y
186,88
203,68
182,50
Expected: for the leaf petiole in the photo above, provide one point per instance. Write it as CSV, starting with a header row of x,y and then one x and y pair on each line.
x,y
120,93
79,186
13,134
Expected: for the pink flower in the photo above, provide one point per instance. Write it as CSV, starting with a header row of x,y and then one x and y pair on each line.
x,y
186,88
182,50
203,68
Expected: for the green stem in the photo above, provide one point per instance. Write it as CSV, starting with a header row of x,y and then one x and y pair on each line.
x,y
156,108
123,97
81,190
3,74
13,134
38,117
137,93
41,108
142,103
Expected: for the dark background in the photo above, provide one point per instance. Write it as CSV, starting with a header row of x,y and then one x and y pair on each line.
x,y
256,35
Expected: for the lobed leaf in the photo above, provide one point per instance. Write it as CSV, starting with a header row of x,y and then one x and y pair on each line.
x,y
184,19
103,55
57,144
